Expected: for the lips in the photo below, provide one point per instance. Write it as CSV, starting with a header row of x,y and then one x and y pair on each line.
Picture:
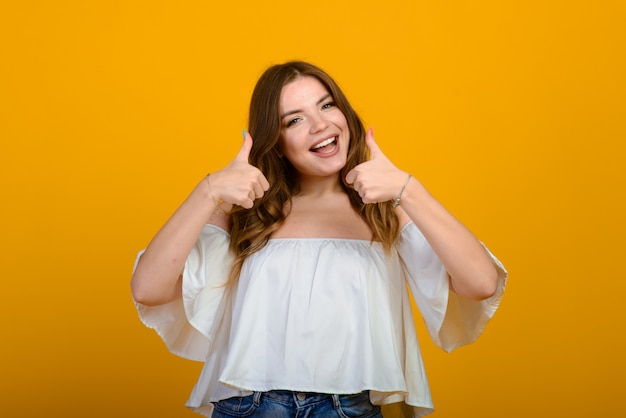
x,y
326,146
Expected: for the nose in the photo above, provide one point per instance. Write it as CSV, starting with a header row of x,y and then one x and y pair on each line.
x,y
318,123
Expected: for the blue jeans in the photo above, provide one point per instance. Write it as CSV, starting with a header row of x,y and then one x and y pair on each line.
x,y
287,404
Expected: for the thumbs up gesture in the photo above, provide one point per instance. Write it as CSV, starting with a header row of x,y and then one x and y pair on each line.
x,y
239,183
376,180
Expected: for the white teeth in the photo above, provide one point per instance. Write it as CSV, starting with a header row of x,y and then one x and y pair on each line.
x,y
324,143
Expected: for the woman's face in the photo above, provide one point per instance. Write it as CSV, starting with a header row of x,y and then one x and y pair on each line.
x,y
314,134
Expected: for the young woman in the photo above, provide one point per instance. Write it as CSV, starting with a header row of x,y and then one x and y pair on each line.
x,y
286,271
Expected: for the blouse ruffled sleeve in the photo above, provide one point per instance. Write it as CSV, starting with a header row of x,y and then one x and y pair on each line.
x,y
451,320
189,324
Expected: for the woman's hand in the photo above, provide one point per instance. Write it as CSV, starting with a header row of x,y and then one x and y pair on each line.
x,y
239,183
376,180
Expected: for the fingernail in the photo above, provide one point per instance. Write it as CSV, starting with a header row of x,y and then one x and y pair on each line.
x,y
244,134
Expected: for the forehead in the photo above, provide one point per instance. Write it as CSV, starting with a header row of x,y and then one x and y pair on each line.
x,y
302,91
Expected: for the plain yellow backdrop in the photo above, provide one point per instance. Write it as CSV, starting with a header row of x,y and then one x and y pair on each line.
x,y
511,113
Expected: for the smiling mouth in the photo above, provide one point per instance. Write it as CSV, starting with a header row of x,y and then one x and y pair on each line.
x,y
325,146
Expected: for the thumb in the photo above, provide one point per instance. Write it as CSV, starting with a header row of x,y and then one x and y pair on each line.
x,y
375,150
244,152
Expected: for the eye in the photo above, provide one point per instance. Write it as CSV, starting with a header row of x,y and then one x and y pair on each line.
x,y
328,105
292,121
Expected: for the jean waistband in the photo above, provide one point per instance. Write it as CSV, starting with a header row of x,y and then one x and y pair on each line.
x,y
289,397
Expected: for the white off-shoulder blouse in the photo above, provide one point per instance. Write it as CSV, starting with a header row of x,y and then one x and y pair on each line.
x,y
323,315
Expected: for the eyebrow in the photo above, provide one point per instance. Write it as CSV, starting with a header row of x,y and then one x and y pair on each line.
x,y
291,112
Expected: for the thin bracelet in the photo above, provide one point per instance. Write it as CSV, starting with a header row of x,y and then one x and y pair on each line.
x,y
217,203
396,202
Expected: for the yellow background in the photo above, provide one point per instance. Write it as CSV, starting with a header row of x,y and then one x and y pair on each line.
x,y
511,113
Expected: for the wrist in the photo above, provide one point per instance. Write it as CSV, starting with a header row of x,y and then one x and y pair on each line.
x,y
398,198
217,201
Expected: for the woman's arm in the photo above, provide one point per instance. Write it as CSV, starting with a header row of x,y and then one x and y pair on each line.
x,y
157,277
471,270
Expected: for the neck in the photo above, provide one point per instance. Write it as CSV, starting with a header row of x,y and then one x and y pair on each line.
x,y
319,186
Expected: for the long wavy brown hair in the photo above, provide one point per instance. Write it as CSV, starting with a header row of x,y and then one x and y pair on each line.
x,y
250,229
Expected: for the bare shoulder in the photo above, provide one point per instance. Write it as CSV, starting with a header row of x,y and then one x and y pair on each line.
x,y
220,219
402,217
